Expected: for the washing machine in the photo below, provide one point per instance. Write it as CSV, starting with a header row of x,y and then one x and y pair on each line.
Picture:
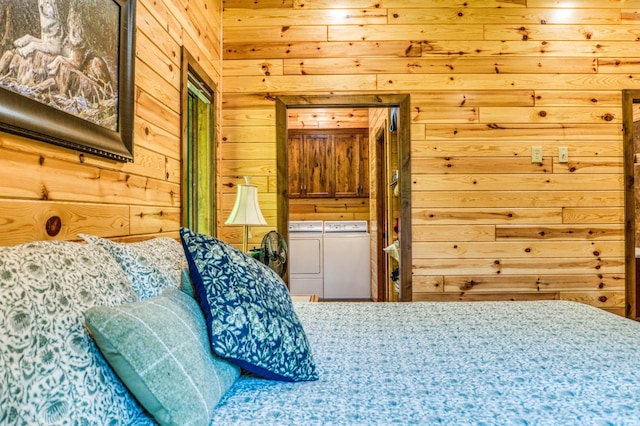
x,y
306,267
347,265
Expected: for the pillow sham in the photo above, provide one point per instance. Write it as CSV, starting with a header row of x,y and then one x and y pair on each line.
x,y
51,371
159,349
249,314
151,265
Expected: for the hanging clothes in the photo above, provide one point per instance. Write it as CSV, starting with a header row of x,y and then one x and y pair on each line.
x,y
393,125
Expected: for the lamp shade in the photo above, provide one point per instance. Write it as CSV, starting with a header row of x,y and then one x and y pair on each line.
x,y
246,210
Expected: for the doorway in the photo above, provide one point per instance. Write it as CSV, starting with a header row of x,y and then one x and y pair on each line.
x,y
400,103
631,153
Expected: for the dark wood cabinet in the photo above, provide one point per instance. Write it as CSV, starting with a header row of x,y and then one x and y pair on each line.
x,y
295,169
310,165
328,163
317,165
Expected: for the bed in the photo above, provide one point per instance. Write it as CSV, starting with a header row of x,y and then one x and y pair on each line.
x,y
542,362
91,334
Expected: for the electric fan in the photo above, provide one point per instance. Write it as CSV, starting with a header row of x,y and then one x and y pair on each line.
x,y
273,252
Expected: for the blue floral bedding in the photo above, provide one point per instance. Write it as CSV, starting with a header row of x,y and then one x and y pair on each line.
x,y
476,363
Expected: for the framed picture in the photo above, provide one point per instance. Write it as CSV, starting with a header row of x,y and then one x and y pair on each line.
x,y
67,73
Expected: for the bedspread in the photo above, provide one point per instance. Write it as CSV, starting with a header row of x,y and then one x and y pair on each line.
x,y
543,362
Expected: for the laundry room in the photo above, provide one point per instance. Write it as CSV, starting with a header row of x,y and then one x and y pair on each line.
x,y
343,202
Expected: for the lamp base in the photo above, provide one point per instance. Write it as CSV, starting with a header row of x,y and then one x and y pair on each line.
x,y
245,238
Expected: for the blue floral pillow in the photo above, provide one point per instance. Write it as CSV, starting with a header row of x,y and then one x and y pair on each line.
x,y
250,317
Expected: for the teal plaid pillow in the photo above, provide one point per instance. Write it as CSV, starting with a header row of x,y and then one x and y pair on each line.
x,y
159,349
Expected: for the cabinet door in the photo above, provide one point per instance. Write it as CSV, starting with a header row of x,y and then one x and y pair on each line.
x,y
352,165
295,166
347,160
317,154
363,187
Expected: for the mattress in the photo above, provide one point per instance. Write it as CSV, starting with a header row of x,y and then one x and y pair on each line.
x,y
543,362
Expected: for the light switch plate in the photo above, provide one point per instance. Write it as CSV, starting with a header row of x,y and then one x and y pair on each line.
x,y
563,154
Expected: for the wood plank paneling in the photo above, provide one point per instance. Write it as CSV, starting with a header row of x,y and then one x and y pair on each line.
x,y
270,34
483,15
578,98
518,249
23,221
477,297
329,209
311,84
123,201
250,50
535,283
488,80
514,199
325,118
593,215
424,100
329,4
508,266
257,4
403,32
509,182
562,32
291,17
150,220
431,65
561,232
466,165
486,216
410,82
477,149
525,132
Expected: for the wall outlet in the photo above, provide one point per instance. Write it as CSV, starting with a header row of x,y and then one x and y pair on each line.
x,y
563,154
536,154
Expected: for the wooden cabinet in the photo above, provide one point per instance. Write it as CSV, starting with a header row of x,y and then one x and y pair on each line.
x,y
294,167
328,163
317,165
310,165
351,165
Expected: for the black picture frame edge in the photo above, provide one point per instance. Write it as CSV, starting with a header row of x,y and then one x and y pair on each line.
x,y
26,117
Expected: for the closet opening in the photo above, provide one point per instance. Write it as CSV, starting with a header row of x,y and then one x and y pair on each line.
x,y
345,172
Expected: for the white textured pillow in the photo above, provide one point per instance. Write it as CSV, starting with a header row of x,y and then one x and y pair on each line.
x,y
51,371
151,265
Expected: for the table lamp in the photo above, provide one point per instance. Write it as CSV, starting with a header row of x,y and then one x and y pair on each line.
x,y
246,210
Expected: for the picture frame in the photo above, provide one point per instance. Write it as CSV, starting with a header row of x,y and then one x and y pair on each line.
x,y
78,93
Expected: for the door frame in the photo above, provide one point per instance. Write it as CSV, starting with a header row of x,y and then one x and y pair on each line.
x,y
191,66
402,102
382,204
631,283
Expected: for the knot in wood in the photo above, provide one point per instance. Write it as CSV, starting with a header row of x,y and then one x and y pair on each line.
x,y
53,226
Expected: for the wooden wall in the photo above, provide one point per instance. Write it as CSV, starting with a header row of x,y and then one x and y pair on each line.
x,y
107,198
488,80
